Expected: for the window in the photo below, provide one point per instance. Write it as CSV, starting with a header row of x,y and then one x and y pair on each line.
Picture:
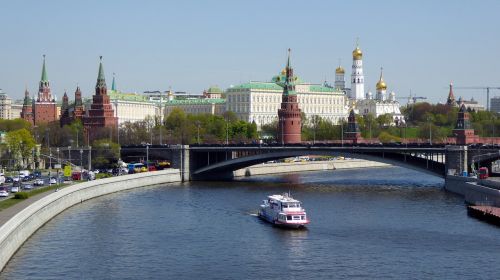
x,y
288,218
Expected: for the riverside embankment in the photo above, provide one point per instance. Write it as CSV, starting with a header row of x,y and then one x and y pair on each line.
x,y
15,231
275,168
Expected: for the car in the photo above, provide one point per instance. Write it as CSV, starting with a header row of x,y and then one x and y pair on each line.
x,y
26,178
16,179
3,192
52,181
27,187
14,189
9,179
37,173
38,182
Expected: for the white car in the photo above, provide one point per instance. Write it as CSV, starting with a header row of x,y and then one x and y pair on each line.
x,y
38,182
3,192
27,187
14,189
52,181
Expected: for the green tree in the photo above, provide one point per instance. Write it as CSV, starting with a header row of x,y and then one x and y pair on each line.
x,y
21,143
105,153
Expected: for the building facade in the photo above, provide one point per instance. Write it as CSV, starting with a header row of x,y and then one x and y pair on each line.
x,y
259,101
470,105
5,106
495,104
381,104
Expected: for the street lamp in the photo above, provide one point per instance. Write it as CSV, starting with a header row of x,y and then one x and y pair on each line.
x,y
342,132
81,158
227,132
430,131
282,128
161,121
198,135
147,157
69,155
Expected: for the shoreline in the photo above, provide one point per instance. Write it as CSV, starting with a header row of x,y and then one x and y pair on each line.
x,y
18,228
290,167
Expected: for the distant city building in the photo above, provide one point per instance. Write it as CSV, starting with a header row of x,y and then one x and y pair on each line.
x,y
470,105
211,102
495,104
5,106
381,104
16,109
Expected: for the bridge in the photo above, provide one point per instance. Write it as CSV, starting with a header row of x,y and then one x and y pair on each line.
x,y
216,162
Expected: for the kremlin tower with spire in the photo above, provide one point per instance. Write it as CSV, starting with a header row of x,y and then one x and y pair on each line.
x,y
44,108
289,121
101,113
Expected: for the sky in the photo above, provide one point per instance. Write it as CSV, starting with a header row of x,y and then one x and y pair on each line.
x,y
191,45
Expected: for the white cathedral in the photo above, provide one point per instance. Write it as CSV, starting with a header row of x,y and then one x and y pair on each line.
x,y
365,103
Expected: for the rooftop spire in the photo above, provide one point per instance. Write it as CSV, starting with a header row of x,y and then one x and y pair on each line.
x,y
101,81
44,72
113,85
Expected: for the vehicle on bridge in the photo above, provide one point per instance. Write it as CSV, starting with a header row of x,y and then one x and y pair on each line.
x,y
283,210
483,173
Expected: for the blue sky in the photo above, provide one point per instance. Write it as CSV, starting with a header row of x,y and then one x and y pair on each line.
x,y
191,45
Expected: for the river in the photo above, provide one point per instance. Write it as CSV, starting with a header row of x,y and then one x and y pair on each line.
x,y
367,223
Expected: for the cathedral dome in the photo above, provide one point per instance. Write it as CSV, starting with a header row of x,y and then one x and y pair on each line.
x,y
357,54
381,83
339,70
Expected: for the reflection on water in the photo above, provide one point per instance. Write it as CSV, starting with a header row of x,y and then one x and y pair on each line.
x,y
370,223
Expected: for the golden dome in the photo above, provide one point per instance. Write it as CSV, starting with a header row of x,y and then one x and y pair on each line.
x,y
283,72
340,70
381,83
357,54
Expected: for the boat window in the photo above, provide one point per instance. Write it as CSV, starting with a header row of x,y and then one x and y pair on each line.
x,y
284,205
289,218
302,217
296,217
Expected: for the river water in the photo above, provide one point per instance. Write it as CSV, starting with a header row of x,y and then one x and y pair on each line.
x,y
368,223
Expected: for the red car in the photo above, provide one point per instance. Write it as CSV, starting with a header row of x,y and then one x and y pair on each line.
x,y
483,173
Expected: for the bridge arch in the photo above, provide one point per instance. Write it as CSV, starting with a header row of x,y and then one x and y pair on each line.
x,y
223,169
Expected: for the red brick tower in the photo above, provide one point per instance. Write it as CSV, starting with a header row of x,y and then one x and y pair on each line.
x,y
27,111
450,101
65,114
352,132
78,111
45,108
463,131
289,122
101,113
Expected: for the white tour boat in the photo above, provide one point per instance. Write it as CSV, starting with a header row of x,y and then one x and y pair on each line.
x,y
283,210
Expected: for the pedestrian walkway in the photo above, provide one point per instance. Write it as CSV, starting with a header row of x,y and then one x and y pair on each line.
x,y
10,212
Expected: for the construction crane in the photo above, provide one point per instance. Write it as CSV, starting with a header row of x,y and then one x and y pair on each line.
x,y
487,88
412,99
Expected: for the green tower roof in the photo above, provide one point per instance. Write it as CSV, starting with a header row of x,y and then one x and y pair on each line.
x,y
113,85
101,81
44,72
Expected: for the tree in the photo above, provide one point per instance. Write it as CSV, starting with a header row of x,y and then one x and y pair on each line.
x,y
21,143
106,153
